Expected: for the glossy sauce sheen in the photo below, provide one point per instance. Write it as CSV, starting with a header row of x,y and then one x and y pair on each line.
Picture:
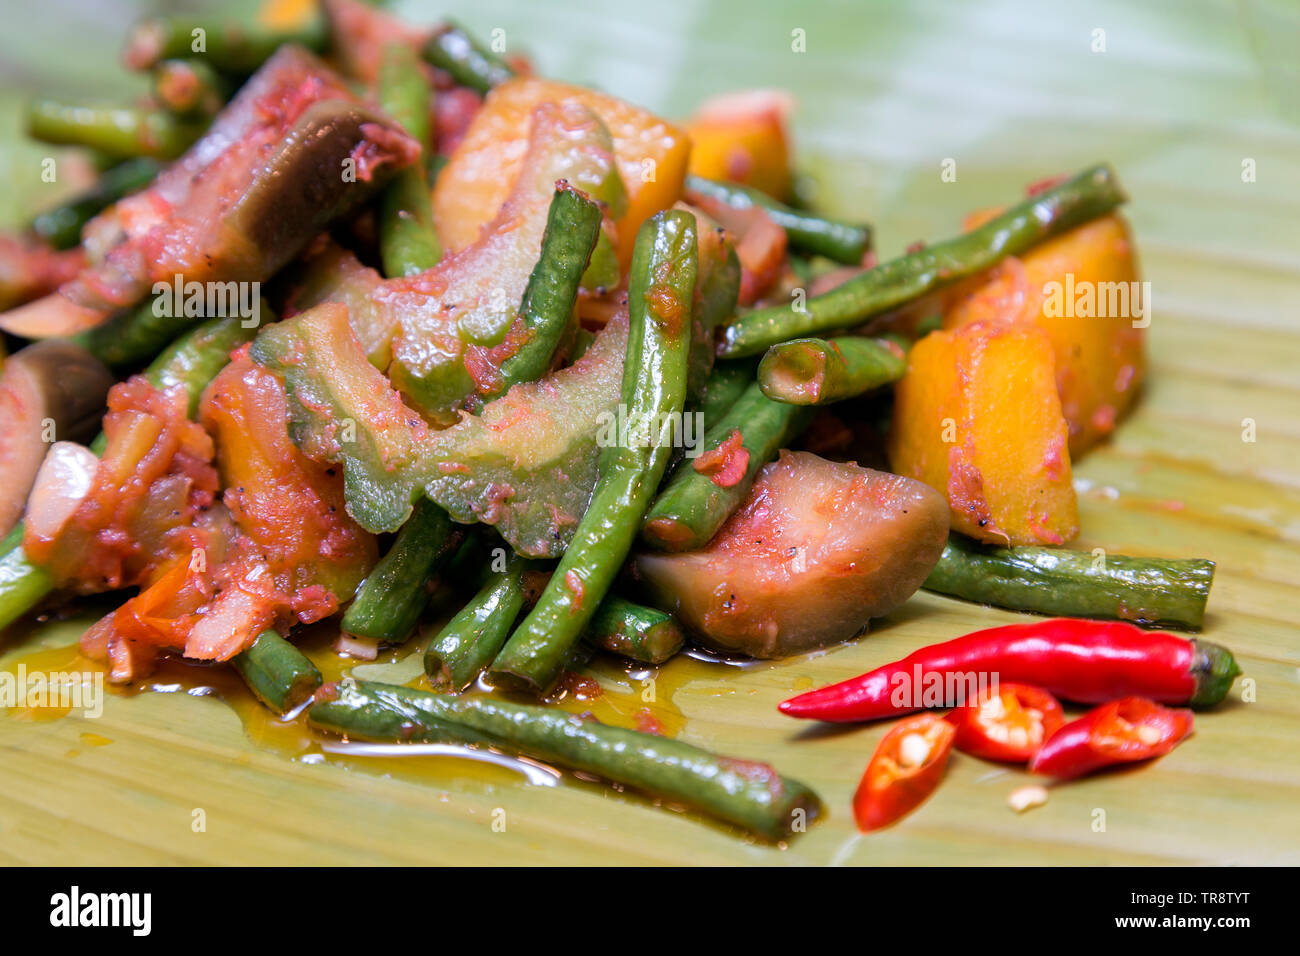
x,y
610,689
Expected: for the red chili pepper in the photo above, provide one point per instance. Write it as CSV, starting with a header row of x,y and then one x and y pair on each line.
x,y
1085,661
903,771
1008,724
1122,731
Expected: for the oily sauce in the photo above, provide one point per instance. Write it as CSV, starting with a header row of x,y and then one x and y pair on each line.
x,y
610,689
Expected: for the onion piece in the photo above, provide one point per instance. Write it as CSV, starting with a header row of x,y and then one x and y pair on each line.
x,y
62,483
362,648
50,316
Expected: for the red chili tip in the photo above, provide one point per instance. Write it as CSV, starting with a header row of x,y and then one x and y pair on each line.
x,y
795,707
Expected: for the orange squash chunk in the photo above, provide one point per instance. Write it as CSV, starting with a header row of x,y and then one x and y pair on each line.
x,y
977,417
1082,289
741,138
650,152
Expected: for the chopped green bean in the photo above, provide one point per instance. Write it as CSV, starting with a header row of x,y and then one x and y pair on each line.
x,y
470,63
664,269
278,674
1161,592
821,371
1090,194
743,792
844,242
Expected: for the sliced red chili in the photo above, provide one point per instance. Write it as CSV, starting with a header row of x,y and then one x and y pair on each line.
x,y
904,770
1006,724
1122,731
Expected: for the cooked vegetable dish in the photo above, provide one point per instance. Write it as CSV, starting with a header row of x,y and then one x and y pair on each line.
x,y
379,328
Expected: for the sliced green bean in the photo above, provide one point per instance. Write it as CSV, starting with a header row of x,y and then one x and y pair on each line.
x,y
471,640
602,273
743,792
842,241
23,585
726,383
691,509
117,130
278,674
126,340
195,358
468,61
189,87
716,294
639,633
394,595
61,226
407,241
228,45
1090,194
664,270
1162,592
572,229
822,371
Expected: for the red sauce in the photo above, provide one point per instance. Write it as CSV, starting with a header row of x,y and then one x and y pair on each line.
x,y
1054,458
726,464
648,723
578,686
966,491
1043,185
154,453
573,582
1044,534
1103,419
380,147
740,163
665,304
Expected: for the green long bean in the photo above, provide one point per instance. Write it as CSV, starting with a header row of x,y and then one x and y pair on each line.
x,y
746,793
123,131
278,674
1091,194
822,371
692,507
1161,592
61,226
468,61
664,269
841,241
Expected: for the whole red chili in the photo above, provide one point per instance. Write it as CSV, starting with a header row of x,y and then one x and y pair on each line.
x,y
1008,724
1121,731
904,770
1084,661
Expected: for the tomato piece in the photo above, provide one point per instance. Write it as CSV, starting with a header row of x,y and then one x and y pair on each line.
x,y
760,245
1008,723
1121,731
164,612
903,771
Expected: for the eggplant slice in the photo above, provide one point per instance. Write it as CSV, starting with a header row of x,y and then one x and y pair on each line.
x,y
816,550
293,151
49,391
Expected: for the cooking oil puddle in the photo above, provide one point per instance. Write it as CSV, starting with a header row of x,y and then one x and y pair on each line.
x,y
609,689
538,774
